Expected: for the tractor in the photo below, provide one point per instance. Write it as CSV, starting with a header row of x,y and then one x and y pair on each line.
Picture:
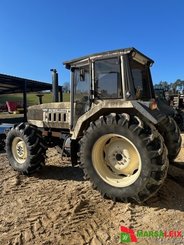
x,y
112,127
171,104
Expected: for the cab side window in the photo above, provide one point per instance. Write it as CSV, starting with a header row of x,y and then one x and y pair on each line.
x,y
108,78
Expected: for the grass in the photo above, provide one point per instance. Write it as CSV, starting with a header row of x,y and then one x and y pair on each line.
x,y
31,98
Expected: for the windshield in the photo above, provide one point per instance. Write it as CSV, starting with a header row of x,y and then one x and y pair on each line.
x,y
141,79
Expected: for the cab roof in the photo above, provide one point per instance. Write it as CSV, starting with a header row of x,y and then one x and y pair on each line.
x,y
106,54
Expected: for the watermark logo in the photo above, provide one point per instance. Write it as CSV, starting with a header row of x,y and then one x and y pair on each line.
x,y
127,235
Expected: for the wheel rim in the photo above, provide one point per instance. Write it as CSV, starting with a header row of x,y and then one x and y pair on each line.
x,y
116,160
19,150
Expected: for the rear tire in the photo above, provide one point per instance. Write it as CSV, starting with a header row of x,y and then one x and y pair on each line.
x,y
171,133
124,158
25,148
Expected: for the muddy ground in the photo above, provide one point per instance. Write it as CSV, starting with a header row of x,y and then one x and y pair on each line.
x,y
57,206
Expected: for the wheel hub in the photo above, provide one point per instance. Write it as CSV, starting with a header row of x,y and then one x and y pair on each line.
x,y
116,157
19,150
20,147
119,157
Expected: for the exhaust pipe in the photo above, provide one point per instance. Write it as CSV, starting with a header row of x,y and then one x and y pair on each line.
x,y
55,97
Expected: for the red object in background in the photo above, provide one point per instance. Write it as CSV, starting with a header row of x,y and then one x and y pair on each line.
x,y
12,106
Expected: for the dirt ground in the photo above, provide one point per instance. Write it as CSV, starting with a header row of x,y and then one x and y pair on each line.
x,y
57,206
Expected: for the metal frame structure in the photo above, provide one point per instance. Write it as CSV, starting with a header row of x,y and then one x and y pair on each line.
x,y
11,84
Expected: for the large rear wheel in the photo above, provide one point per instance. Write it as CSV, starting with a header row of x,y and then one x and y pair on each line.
x,y
123,157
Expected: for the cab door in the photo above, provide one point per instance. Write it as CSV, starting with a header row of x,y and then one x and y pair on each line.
x,y
81,91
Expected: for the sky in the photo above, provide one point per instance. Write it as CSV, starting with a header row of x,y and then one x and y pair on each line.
x,y
37,35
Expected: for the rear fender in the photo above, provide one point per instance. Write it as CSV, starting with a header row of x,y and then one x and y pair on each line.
x,y
114,106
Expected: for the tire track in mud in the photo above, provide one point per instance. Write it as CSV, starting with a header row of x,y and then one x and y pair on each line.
x,y
84,221
36,224
135,216
80,221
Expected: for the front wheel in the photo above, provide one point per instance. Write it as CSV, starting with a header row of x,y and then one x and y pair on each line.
x,y
25,148
123,157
